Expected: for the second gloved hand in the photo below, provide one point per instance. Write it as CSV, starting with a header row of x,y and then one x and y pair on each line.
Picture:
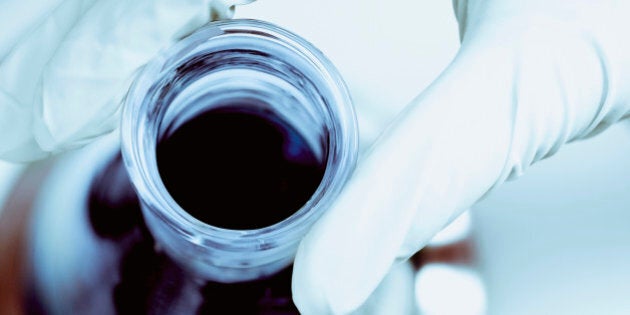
x,y
66,64
529,77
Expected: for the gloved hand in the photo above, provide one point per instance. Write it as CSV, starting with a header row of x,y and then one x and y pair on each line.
x,y
530,76
65,64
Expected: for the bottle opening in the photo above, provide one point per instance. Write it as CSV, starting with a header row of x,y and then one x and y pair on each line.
x,y
237,139
240,166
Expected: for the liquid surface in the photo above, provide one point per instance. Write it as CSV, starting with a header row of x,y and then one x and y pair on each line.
x,y
239,168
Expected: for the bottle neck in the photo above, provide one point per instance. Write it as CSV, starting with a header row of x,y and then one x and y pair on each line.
x,y
227,63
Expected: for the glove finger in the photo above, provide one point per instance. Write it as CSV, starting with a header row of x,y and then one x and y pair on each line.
x,y
18,17
72,70
502,105
439,157
83,83
18,120
21,66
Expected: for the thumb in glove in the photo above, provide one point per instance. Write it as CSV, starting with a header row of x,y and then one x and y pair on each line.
x,y
524,83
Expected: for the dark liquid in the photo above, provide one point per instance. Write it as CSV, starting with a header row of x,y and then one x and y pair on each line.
x,y
149,281
234,169
237,168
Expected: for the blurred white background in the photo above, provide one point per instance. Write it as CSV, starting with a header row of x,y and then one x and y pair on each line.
x,y
556,241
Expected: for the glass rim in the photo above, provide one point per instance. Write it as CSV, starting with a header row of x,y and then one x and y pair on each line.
x,y
142,166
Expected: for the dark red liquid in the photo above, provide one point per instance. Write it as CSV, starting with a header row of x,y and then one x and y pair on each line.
x,y
239,168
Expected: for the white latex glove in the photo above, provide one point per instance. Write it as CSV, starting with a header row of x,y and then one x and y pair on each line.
x,y
65,64
530,76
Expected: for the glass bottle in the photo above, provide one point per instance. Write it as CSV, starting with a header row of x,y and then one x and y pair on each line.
x,y
108,237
